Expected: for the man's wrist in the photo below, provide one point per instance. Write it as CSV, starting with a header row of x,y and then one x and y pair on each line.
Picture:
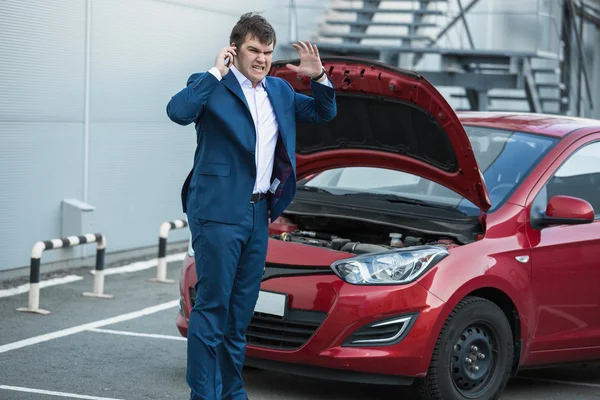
x,y
321,77
216,73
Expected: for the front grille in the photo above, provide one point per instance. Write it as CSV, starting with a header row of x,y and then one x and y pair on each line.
x,y
283,334
273,332
273,270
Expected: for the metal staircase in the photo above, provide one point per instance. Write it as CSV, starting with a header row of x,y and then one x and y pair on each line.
x,y
402,32
539,88
380,22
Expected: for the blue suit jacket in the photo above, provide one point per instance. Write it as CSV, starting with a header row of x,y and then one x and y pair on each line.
x,y
222,179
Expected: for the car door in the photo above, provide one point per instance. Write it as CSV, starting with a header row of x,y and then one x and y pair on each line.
x,y
565,259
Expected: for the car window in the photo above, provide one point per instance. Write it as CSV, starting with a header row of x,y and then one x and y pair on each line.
x,y
504,157
579,177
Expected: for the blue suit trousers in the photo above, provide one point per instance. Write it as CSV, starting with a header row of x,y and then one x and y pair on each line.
x,y
230,262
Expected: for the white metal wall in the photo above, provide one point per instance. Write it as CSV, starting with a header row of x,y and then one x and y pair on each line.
x,y
41,121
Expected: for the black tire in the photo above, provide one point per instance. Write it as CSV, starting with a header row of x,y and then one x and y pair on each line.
x,y
478,330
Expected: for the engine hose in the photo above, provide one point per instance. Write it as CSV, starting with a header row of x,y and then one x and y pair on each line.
x,y
361,248
316,235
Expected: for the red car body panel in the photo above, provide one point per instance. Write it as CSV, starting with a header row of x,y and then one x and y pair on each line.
x,y
349,307
565,313
297,254
487,263
548,275
549,125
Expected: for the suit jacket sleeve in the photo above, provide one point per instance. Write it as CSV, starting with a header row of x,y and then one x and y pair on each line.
x,y
319,108
186,106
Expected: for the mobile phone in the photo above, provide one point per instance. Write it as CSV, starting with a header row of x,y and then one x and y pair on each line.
x,y
228,59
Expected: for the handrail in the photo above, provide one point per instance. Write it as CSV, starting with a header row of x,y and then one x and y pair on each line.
x,y
589,11
580,52
454,20
293,17
460,16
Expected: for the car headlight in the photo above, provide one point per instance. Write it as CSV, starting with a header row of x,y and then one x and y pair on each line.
x,y
391,267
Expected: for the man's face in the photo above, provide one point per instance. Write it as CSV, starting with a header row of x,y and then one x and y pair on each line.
x,y
254,59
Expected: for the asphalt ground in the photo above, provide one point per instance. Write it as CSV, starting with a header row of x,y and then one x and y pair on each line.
x,y
128,348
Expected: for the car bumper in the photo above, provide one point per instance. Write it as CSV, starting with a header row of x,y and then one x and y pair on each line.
x,y
329,373
182,325
323,314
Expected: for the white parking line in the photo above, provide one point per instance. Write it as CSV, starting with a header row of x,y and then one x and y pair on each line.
x,y
49,282
148,335
88,326
140,265
584,384
51,393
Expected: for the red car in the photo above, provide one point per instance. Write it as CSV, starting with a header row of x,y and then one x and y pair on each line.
x,y
429,247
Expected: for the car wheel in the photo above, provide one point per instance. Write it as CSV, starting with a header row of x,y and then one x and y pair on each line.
x,y
473,355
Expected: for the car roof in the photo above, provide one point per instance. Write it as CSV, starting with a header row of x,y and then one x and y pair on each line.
x,y
544,124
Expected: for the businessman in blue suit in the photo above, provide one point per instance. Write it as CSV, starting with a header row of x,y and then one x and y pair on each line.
x,y
244,175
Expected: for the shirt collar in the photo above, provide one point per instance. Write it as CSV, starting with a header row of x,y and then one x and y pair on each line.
x,y
243,80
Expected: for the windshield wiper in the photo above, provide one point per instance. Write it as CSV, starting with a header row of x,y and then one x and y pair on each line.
x,y
313,189
393,198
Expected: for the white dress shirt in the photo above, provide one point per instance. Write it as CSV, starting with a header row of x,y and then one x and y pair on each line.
x,y
265,123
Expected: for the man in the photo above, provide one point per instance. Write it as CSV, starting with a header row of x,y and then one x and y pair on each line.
x,y
244,173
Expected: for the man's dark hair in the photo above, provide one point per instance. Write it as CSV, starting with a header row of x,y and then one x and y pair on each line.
x,y
255,25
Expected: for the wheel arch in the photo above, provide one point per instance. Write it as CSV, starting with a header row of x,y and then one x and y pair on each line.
x,y
500,293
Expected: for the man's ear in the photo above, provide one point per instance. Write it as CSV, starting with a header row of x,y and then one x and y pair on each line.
x,y
234,58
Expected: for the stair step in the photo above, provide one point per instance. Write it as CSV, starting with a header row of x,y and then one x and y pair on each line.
x,y
554,85
500,68
382,23
508,98
546,70
372,10
372,36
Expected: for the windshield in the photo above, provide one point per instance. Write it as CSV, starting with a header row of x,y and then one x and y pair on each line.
x,y
504,157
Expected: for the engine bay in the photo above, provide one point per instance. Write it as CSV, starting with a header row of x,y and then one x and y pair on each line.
x,y
349,235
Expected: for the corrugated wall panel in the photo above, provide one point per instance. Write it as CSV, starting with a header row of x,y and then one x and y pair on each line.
x,y
135,180
41,114
42,60
139,60
40,165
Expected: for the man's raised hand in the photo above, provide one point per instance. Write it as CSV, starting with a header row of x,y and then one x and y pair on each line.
x,y
310,62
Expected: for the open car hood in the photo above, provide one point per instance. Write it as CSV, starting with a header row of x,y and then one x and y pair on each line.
x,y
388,118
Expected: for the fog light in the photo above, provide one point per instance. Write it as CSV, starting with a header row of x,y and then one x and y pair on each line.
x,y
382,333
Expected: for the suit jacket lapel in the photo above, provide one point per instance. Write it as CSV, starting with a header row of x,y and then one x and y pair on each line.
x,y
233,85
277,109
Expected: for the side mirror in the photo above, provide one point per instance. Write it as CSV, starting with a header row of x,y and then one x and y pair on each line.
x,y
567,210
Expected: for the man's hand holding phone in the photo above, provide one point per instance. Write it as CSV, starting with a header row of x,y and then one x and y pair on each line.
x,y
225,59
